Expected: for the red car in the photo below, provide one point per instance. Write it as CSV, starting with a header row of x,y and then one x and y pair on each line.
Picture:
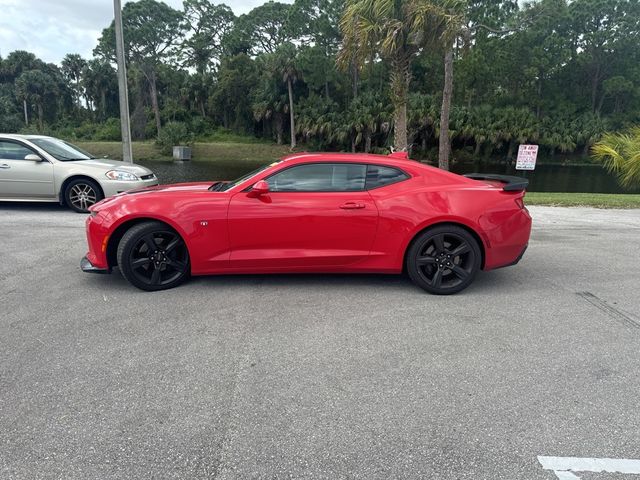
x,y
323,213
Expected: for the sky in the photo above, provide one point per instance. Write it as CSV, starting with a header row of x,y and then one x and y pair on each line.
x,y
52,28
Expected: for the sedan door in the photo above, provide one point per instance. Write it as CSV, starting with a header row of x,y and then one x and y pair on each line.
x,y
314,216
21,178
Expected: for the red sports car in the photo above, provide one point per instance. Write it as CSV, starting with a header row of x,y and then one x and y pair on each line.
x,y
324,213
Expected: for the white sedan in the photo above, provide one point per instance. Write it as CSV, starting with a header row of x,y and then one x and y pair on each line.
x,y
35,168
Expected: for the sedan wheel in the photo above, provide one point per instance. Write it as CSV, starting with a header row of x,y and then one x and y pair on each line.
x,y
444,260
152,256
81,194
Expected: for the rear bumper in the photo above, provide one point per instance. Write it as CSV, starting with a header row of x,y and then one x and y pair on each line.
x,y
88,267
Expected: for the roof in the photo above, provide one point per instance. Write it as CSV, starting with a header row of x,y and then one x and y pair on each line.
x,y
397,158
16,136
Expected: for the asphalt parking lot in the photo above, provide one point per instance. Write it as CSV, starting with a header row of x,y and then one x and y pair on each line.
x,y
319,376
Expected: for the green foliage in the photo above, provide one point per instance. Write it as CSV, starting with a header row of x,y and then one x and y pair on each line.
x,y
554,72
173,134
620,153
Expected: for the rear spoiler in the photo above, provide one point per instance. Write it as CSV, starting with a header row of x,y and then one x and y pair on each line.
x,y
511,184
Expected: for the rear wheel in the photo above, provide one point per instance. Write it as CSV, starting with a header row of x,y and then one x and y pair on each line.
x,y
80,194
152,256
444,260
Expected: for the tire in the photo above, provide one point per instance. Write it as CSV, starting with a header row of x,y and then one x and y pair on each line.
x,y
81,193
444,260
152,256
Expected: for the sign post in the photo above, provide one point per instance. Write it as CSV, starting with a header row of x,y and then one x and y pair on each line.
x,y
527,155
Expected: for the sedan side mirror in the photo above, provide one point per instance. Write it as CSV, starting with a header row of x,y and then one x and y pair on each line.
x,y
259,188
33,157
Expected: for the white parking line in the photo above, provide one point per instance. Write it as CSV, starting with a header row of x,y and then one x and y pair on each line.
x,y
564,466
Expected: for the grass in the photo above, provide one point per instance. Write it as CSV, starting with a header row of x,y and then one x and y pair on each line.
x,y
216,151
598,200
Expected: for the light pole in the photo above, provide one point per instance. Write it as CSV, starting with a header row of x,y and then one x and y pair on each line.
x,y
123,94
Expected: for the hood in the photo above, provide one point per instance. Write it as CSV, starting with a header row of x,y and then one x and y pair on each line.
x,y
171,188
106,165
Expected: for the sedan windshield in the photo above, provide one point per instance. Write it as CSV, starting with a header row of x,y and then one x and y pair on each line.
x,y
61,150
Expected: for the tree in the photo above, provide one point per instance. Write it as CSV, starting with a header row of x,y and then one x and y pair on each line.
x,y
261,30
396,31
620,153
151,30
36,87
72,67
283,63
208,25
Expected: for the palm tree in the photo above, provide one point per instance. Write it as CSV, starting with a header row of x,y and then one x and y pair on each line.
x,y
396,31
620,154
284,64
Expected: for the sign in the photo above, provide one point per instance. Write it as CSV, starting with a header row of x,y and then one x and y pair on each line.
x,y
527,155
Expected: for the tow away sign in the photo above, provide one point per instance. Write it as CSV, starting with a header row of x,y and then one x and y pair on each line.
x,y
527,155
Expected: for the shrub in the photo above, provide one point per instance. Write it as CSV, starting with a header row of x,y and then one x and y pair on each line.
x,y
173,133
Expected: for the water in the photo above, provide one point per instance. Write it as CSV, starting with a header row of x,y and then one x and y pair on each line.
x,y
546,178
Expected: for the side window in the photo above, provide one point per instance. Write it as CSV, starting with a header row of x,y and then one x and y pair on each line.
x,y
319,177
378,176
13,151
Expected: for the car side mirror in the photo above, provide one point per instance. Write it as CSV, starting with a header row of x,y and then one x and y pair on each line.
x,y
33,157
259,188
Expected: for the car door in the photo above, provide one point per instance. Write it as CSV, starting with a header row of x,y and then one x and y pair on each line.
x,y
21,178
314,215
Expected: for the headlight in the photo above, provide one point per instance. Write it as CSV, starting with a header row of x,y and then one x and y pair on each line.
x,y
120,175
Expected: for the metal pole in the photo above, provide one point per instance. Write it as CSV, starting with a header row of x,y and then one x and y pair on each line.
x,y
125,128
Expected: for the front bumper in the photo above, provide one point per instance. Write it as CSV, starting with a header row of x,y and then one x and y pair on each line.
x,y
88,267
113,187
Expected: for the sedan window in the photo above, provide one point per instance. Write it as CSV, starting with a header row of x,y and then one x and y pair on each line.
x,y
13,151
319,177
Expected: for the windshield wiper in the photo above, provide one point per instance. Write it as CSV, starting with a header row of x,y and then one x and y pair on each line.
x,y
216,186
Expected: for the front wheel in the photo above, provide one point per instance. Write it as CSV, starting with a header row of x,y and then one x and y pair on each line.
x,y
81,193
444,260
152,256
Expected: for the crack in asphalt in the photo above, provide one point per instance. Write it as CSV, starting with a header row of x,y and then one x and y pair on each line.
x,y
611,311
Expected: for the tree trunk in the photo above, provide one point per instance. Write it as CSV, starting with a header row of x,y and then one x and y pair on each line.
x,y
367,142
594,89
444,142
400,77
291,116
40,117
476,152
26,114
354,78
153,92
278,118
103,105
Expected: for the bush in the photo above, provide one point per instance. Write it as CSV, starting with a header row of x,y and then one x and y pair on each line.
x,y
173,133
109,130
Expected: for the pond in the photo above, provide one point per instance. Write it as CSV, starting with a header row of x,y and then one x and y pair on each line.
x,y
546,178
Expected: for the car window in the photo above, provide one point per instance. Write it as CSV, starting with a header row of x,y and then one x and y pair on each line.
x,y
378,176
319,177
13,151
62,150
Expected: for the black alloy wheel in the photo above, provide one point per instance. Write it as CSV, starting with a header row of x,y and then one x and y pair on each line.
x,y
152,256
80,194
444,260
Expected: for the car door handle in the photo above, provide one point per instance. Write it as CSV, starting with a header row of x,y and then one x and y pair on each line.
x,y
352,205
4,165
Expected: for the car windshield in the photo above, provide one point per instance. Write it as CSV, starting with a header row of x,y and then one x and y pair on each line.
x,y
61,150
224,186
